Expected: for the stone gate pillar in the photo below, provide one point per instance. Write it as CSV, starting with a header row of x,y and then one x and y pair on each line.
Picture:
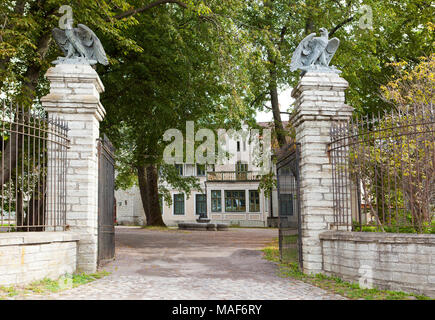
x,y
320,102
75,97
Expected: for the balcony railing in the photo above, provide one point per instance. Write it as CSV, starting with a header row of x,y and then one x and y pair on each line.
x,y
228,176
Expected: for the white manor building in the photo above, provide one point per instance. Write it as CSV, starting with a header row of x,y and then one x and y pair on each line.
x,y
229,194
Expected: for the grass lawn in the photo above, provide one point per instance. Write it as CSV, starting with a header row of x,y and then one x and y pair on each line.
x,y
290,269
46,285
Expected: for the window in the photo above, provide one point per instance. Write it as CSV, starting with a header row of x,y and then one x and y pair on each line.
x,y
254,201
201,205
120,204
238,146
286,205
179,168
179,204
200,170
126,202
235,201
244,145
241,167
241,171
216,201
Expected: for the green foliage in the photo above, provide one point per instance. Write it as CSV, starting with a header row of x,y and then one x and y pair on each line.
x,y
169,174
209,61
275,28
267,183
393,157
187,70
9,291
427,229
26,49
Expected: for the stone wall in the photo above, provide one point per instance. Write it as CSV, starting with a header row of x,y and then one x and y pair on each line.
x,y
31,256
400,262
129,208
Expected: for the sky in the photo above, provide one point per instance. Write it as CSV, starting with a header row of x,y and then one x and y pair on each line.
x,y
285,100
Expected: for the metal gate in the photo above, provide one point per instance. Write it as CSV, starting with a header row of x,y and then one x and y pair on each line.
x,y
106,201
290,240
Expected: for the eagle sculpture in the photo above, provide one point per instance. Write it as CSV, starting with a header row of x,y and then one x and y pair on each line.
x,y
80,45
315,53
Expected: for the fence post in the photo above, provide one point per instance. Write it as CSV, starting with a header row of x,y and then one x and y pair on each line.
x,y
319,103
75,97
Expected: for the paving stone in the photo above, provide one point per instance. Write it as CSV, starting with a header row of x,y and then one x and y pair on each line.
x,y
197,265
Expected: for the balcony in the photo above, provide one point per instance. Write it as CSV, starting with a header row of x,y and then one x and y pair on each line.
x,y
233,176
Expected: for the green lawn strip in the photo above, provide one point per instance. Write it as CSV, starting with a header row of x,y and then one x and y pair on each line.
x,y
7,292
46,285
334,284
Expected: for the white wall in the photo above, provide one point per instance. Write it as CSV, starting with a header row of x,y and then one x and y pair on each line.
x,y
30,256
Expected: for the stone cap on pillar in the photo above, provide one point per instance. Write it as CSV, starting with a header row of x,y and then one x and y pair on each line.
x,y
320,97
320,81
74,88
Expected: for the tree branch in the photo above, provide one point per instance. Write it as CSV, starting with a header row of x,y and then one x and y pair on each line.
x,y
282,112
132,12
340,25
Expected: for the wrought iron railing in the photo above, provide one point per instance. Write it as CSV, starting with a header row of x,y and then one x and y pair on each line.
x,y
32,170
228,176
384,172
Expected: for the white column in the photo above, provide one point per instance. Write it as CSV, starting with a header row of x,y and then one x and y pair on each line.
x,y
320,102
75,97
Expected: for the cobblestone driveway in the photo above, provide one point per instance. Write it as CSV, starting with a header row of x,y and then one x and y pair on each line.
x,y
192,265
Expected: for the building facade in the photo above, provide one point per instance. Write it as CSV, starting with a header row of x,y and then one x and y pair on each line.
x,y
229,193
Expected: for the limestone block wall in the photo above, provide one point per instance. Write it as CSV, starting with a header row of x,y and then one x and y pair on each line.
x,y
75,97
319,103
400,262
32,256
129,208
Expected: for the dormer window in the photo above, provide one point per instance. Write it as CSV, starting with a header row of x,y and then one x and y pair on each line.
x,y
200,170
179,168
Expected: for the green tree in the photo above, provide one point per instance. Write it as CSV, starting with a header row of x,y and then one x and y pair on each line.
x,y
189,68
275,27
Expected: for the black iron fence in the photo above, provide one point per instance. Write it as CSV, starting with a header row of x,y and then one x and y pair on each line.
x,y
288,186
32,170
384,172
106,200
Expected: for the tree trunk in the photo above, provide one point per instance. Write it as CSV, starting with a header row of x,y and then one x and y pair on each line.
x,y
10,157
143,188
20,210
279,128
12,148
156,218
35,214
